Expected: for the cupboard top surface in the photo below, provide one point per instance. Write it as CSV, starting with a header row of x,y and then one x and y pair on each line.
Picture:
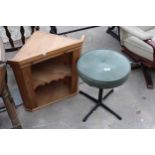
x,y
42,44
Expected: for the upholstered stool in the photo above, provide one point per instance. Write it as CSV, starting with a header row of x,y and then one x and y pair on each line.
x,y
103,69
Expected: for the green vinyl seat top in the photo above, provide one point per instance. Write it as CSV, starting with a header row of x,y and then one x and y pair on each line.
x,y
103,68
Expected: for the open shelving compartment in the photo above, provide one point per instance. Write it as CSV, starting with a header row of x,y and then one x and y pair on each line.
x,y
51,79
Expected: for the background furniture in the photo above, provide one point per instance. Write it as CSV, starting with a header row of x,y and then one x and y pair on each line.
x,y
22,34
114,31
77,30
45,69
135,43
4,90
103,69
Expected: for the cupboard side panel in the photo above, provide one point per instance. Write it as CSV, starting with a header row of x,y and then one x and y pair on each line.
x,y
74,73
24,81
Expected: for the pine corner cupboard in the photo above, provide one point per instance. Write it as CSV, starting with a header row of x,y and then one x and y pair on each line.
x,y
45,69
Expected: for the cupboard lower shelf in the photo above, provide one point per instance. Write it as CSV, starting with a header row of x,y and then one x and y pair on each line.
x,y
48,72
51,93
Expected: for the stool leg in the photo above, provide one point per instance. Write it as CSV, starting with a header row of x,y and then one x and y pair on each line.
x,y
88,96
99,103
92,110
111,111
107,95
103,105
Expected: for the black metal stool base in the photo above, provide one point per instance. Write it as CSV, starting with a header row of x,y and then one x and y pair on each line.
x,y
99,103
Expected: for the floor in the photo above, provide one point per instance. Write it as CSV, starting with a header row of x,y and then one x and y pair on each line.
x,y
133,101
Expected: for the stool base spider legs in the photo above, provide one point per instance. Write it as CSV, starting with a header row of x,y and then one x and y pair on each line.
x,y
99,103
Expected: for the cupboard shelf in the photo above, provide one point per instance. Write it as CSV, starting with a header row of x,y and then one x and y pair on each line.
x,y
49,71
54,91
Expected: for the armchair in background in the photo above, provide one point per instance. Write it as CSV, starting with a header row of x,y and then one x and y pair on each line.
x,y
138,42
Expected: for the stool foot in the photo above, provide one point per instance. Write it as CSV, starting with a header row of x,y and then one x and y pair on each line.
x,y
111,111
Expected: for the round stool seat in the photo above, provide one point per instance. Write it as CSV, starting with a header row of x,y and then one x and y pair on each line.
x,y
103,68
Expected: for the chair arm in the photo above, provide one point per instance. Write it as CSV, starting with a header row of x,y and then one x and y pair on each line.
x,y
137,32
139,47
137,43
151,43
